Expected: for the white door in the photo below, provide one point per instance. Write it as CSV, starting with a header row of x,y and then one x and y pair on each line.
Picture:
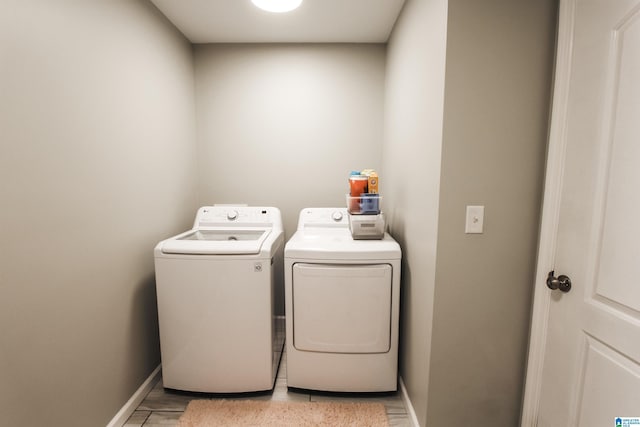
x,y
584,358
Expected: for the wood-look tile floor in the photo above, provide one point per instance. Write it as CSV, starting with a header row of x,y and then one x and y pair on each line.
x,y
162,408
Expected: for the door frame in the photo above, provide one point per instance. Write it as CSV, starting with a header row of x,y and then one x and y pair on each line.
x,y
556,154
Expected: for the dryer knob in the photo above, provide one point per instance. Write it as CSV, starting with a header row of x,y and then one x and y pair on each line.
x,y
337,216
232,215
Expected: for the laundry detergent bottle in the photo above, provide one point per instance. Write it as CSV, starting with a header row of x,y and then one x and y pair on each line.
x,y
357,186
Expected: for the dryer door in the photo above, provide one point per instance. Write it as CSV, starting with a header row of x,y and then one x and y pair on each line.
x,y
342,308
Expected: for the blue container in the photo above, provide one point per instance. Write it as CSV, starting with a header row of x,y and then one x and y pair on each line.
x,y
369,204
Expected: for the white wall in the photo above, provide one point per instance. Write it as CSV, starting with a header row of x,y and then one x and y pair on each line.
x,y
411,168
282,125
97,155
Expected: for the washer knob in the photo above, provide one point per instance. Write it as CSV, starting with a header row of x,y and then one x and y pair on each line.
x,y
232,215
336,216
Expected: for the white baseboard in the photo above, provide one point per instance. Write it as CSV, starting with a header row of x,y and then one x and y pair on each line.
x,y
125,412
407,404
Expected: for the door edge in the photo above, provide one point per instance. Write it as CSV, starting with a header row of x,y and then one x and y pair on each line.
x,y
554,174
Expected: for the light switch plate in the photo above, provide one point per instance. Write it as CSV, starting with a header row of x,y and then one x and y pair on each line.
x,y
475,220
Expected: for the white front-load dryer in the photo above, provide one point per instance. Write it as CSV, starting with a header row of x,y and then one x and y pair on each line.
x,y
342,299
217,289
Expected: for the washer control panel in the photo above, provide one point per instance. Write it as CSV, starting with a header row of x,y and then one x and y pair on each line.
x,y
211,216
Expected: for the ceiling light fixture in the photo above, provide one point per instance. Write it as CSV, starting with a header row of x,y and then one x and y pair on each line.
x,y
277,6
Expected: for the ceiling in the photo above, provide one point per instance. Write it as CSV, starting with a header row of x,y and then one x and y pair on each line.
x,y
315,21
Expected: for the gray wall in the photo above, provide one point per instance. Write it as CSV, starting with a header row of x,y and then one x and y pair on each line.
x,y
99,160
411,175
466,298
282,125
97,150
497,97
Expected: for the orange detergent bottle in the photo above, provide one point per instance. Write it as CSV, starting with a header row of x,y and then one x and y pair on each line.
x,y
357,186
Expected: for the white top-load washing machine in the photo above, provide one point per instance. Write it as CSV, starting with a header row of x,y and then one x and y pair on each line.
x,y
217,286
342,300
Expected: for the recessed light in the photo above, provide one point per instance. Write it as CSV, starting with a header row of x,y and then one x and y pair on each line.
x,y
277,6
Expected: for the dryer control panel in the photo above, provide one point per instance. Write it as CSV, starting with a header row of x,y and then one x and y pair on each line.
x,y
233,216
323,217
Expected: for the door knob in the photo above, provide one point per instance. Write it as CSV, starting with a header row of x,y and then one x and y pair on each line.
x,y
561,282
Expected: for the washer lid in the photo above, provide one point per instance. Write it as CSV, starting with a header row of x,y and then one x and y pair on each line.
x,y
224,241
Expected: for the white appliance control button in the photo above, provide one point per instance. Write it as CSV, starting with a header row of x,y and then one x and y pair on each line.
x,y
337,216
232,215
